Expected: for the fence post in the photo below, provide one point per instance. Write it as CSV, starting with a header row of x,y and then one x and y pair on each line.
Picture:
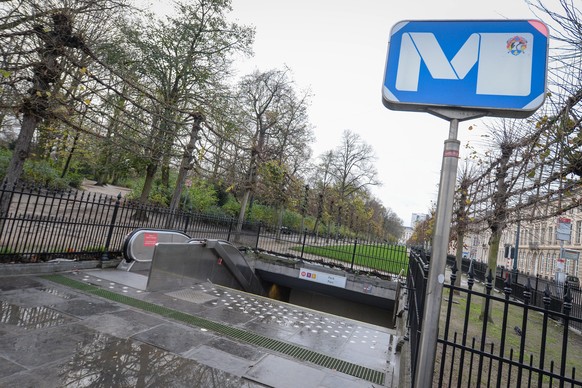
x,y
229,229
258,235
566,308
105,255
536,290
5,200
354,253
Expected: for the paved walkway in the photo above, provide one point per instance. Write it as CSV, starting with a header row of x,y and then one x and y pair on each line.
x,y
92,328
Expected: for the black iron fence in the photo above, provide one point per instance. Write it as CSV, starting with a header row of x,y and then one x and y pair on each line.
x,y
42,225
539,287
489,338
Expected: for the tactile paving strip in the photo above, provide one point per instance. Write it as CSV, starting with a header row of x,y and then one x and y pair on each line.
x,y
298,352
191,295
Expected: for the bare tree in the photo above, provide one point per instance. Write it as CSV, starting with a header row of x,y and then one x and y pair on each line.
x,y
289,149
352,168
322,181
261,96
463,200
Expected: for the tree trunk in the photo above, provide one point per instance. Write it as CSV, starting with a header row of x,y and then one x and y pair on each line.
x,y
16,166
316,230
459,260
251,181
70,154
494,241
186,163
165,170
101,173
241,215
140,214
279,221
19,156
151,170
216,162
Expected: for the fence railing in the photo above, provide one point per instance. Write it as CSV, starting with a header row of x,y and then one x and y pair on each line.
x,y
41,225
538,286
497,341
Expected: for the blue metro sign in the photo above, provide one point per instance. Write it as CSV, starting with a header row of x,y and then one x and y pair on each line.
x,y
494,66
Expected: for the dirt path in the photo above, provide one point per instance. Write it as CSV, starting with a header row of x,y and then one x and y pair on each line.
x,y
89,185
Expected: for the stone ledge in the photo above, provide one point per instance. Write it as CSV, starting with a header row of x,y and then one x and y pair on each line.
x,y
51,267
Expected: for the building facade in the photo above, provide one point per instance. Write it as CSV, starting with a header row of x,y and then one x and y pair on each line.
x,y
539,246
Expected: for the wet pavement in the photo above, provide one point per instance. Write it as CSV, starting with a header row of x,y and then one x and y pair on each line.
x,y
100,328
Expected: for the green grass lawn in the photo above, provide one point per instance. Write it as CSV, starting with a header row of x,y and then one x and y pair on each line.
x,y
533,338
389,258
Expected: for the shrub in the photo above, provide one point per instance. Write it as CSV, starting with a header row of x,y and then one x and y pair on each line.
x,y
217,211
5,156
160,195
41,173
75,180
262,213
202,195
231,207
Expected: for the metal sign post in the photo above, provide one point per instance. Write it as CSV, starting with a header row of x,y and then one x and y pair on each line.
x,y
436,276
438,261
460,70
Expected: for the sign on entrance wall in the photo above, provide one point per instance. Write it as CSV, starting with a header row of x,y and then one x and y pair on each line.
x,y
322,277
495,66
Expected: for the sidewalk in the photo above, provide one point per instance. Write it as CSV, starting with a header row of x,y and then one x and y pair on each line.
x,y
84,328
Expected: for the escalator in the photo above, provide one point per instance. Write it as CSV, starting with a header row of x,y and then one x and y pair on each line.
x,y
173,259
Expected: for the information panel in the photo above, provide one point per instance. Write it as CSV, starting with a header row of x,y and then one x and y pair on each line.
x,y
322,277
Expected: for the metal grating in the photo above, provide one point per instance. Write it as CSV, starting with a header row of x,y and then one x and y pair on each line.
x,y
374,376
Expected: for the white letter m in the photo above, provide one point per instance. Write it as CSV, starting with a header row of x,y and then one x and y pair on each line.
x,y
498,73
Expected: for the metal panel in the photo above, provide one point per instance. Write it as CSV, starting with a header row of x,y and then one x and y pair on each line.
x,y
176,266
238,265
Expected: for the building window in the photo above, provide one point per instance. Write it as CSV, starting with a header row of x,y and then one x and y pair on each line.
x,y
551,235
578,230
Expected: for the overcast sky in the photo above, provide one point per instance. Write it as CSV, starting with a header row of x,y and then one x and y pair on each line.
x,y
337,48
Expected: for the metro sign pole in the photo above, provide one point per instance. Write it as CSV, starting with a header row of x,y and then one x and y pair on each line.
x,y
460,70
